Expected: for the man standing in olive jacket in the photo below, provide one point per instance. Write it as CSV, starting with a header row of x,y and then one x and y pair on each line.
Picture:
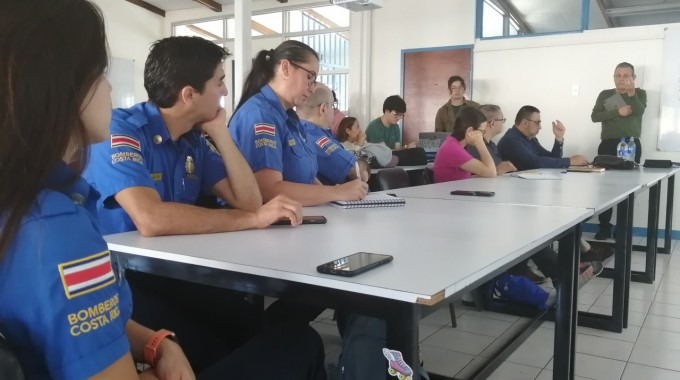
x,y
624,121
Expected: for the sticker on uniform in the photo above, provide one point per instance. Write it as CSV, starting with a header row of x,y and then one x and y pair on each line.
x,y
86,275
265,129
396,366
120,141
291,142
322,142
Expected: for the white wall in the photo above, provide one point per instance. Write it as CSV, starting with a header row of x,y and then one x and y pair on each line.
x,y
411,25
542,71
130,30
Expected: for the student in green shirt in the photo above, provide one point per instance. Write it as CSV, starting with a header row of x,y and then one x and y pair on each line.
x,y
620,122
385,128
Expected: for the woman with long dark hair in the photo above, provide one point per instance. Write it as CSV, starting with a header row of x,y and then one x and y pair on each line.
x,y
267,130
65,313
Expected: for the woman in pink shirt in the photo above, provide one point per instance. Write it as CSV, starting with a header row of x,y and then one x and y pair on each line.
x,y
453,162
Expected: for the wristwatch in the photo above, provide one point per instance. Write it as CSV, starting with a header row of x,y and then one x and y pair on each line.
x,y
151,347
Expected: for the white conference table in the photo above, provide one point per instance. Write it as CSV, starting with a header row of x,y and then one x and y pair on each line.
x,y
436,257
594,191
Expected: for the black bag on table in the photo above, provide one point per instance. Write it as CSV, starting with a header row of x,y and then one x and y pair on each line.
x,y
613,163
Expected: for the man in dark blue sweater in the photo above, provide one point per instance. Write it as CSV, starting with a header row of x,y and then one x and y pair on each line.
x,y
520,146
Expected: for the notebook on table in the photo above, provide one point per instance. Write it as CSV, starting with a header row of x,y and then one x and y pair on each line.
x,y
535,175
373,200
585,169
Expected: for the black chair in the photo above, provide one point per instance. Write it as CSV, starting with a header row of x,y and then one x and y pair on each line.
x,y
393,178
9,364
428,175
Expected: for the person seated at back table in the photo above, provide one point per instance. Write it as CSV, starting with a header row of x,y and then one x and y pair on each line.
x,y
520,146
385,129
494,126
353,138
336,165
452,161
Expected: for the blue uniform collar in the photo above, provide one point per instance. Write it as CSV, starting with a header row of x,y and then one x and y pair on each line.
x,y
274,101
155,121
314,128
68,182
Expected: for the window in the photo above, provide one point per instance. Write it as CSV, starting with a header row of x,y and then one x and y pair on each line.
x,y
493,20
324,28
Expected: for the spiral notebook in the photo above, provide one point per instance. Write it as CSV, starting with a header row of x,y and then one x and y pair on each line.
x,y
373,200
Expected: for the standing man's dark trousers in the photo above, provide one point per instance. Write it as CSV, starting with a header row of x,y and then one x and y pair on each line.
x,y
608,147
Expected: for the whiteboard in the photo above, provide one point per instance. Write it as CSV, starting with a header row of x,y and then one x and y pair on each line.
x,y
121,75
669,120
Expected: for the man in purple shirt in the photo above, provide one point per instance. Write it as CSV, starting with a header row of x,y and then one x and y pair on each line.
x,y
521,147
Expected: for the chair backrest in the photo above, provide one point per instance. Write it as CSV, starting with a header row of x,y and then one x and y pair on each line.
x,y
393,178
9,364
428,175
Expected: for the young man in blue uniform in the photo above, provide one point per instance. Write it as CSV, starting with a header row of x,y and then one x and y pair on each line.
x,y
152,171
336,165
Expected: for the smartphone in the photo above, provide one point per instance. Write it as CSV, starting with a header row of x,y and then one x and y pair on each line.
x,y
305,220
352,265
473,193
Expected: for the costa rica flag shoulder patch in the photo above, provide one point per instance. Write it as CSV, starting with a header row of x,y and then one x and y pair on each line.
x,y
265,129
86,275
120,141
322,142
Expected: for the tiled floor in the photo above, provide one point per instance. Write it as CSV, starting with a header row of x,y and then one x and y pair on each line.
x,y
649,349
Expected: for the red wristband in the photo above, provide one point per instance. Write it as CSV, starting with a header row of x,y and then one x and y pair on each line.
x,y
151,347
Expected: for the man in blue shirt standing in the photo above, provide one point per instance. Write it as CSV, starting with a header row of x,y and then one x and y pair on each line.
x,y
336,165
520,146
150,174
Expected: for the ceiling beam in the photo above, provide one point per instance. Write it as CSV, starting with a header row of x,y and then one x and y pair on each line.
x,y
211,4
636,10
261,28
203,32
148,7
603,9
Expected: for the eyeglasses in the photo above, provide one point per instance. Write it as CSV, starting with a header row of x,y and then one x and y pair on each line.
x,y
538,122
311,75
501,120
397,114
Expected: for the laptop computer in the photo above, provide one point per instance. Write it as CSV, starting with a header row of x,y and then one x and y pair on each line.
x,y
431,141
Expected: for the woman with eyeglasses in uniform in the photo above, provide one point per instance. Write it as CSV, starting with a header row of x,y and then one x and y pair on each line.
x,y
267,130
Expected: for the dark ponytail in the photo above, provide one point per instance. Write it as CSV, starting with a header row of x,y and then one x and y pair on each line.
x,y
266,62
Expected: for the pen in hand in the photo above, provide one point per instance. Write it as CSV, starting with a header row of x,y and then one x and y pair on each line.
x,y
356,167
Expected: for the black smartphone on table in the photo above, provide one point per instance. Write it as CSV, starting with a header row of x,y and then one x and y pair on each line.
x,y
352,265
307,219
473,193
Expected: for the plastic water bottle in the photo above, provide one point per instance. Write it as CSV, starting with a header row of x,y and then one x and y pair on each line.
x,y
622,149
631,149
